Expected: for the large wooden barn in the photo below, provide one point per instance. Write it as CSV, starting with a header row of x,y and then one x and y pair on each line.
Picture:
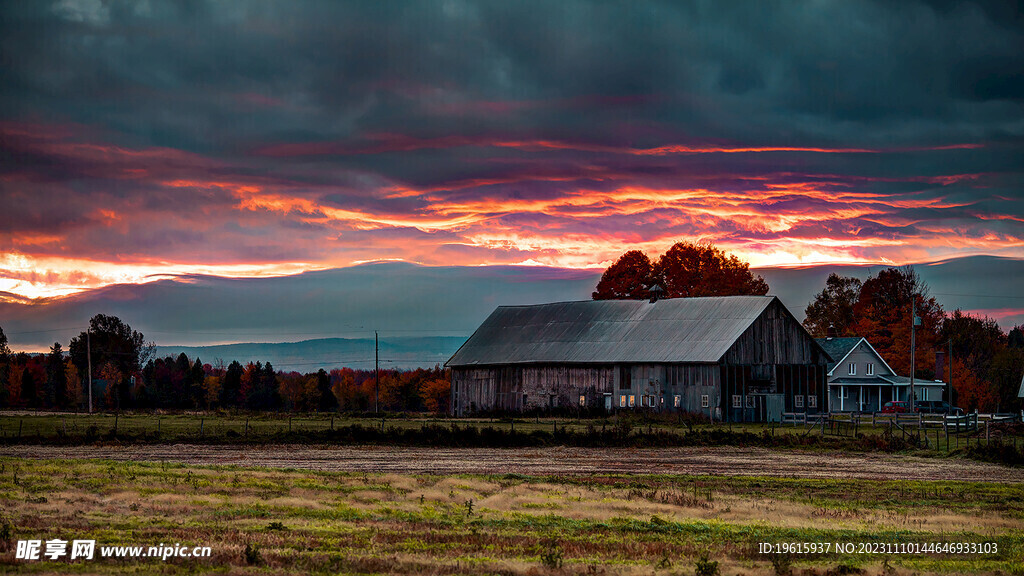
x,y
737,358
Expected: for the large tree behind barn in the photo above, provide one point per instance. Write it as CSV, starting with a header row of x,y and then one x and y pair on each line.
x,y
686,270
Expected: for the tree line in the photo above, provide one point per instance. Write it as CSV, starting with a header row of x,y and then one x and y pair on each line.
x,y
127,375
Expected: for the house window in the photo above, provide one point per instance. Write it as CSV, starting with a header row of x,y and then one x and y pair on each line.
x,y
704,401
870,369
622,401
737,401
799,401
583,400
844,392
676,400
812,401
632,400
750,401
853,368
924,394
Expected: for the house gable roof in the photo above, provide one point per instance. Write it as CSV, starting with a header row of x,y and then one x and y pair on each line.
x,y
840,348
697,330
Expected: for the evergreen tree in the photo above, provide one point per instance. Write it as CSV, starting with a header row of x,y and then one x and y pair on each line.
x,y
231,386
56,378
327,401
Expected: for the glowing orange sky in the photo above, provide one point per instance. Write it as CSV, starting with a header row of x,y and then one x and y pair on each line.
x,y
184,213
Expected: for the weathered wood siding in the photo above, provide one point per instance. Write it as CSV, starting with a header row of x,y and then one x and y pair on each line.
x,y
529,387
775,337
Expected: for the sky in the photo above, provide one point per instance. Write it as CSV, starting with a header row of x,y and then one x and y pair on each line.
x,y
147,140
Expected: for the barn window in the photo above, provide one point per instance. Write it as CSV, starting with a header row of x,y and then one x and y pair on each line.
x,y
583,400
853,368
799,401
812,401
676,400
870,369
524,400
737,401
632,400
622,401
704,401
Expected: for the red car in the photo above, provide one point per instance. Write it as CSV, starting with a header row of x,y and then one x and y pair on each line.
x,y
896,406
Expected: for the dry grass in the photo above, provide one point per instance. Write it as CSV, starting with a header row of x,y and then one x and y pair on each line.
x,y
327,522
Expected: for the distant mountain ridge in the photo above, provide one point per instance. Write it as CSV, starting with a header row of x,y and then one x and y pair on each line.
x,y
312,355
402,300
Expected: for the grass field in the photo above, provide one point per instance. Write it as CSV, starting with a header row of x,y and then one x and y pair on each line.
x,y
291,521
255,427
1004,443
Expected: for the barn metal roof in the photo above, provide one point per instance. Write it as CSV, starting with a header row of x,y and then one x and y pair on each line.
x,y
611,331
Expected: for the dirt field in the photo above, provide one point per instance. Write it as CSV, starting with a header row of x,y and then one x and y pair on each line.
x,y
726,461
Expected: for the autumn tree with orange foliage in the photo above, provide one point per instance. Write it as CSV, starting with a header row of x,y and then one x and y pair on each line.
x,y
883,316
686,270
437,394
627,279
971,391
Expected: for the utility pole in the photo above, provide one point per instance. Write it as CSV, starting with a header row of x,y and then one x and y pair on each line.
x,y
949,383
913,328
88,355
376,369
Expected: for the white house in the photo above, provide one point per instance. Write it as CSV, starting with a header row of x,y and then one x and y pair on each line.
x,y
861,381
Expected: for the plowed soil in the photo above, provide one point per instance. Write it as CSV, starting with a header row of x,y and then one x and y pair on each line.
x,y
718,461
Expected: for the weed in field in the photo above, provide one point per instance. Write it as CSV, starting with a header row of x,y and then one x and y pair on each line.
x,y
6,535
276,526
252,554
551,556
848,569
704,566
782,564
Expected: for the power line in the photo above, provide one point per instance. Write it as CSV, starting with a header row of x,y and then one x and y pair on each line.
x,y
975,295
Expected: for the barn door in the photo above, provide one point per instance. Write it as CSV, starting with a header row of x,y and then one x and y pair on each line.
x,y
774,406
